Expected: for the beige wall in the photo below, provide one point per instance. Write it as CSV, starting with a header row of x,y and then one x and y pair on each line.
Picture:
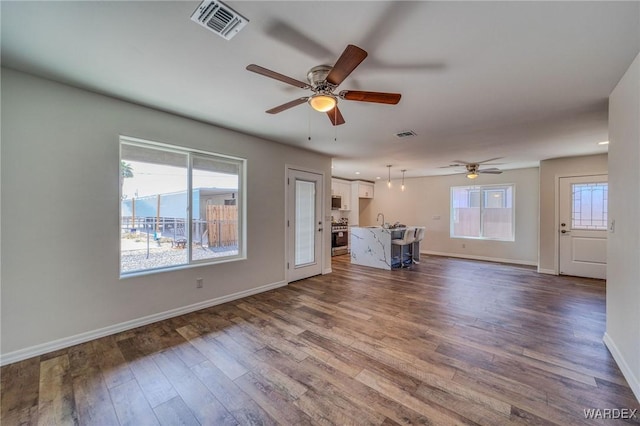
x,y
425,202
60,215
550,172
623,269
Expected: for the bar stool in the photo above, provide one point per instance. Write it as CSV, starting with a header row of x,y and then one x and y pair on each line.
x,y
420,230
407,239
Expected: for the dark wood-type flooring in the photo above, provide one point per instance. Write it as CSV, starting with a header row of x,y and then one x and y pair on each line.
x,y
450,341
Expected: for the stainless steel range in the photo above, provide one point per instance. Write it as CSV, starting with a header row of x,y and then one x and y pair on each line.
x,y
339,237
337,228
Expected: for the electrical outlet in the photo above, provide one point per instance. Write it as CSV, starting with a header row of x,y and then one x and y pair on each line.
x,y
199,282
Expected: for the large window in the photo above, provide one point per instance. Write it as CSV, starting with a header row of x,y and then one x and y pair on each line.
x,y
484,212
178,207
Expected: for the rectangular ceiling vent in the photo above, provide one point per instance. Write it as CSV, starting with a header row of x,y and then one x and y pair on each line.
x,y
406,134
219,18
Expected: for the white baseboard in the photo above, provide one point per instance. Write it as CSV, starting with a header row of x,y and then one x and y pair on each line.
x,y
485,258
547,271
326,271
66,342
634,382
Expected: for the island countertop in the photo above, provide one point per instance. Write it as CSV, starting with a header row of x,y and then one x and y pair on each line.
x,y
371,245
400,228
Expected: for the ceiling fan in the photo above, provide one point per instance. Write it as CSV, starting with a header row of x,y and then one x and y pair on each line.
x,y
323,81
473,169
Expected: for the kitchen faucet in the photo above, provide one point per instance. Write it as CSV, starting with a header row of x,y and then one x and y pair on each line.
x,y
378,217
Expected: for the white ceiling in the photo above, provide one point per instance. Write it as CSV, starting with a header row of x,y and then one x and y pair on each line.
x,y
524,81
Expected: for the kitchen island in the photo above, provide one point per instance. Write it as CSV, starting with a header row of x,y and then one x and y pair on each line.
x,y
371,246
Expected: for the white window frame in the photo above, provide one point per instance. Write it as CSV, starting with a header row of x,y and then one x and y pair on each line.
x,y
241,203
481,196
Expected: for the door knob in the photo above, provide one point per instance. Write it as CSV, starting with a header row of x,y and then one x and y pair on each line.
x,y
319,229
564,231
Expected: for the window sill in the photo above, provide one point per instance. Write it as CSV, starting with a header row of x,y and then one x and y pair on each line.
x,y
141,273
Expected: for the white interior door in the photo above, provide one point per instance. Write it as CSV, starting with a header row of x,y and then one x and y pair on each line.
x,y
583,226
304,224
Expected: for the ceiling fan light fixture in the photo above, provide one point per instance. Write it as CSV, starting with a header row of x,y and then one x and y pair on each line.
x,y
472,175
322,103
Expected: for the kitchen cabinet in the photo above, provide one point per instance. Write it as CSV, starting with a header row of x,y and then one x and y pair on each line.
x,y
365,189
361,189
342,188
351,192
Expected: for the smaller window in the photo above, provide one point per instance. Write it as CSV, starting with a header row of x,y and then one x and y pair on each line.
x,y
482,212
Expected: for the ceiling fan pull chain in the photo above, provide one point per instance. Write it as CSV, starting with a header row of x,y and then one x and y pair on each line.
x,y
309,123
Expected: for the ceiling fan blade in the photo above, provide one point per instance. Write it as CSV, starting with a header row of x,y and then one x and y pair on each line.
x,y
376,97
490,159
490,171
347,62
335,116
289,35
277,76
460,162
288,105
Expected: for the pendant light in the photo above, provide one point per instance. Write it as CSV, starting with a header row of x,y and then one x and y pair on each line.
x,y
389,178
403,171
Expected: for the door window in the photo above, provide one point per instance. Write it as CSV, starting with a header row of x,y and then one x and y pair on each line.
x,y
305,222
589,201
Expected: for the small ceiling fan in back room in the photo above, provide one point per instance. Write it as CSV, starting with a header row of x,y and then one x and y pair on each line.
x,y
473,169
323,81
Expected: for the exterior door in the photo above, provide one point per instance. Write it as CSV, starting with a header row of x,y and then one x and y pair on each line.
x,y
304,224
583,226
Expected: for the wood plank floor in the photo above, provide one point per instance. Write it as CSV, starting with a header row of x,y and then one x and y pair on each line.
x,y
450,341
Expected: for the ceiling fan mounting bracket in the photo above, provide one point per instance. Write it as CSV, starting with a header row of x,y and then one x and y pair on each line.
x,y
317,77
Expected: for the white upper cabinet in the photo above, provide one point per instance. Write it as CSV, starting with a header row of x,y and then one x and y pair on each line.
x,y
365,190
342,188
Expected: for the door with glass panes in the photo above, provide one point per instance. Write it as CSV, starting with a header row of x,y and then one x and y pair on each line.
x,y
582,229
304,224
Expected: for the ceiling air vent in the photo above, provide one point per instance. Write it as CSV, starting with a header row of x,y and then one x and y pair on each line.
x,y
219,18
406,134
